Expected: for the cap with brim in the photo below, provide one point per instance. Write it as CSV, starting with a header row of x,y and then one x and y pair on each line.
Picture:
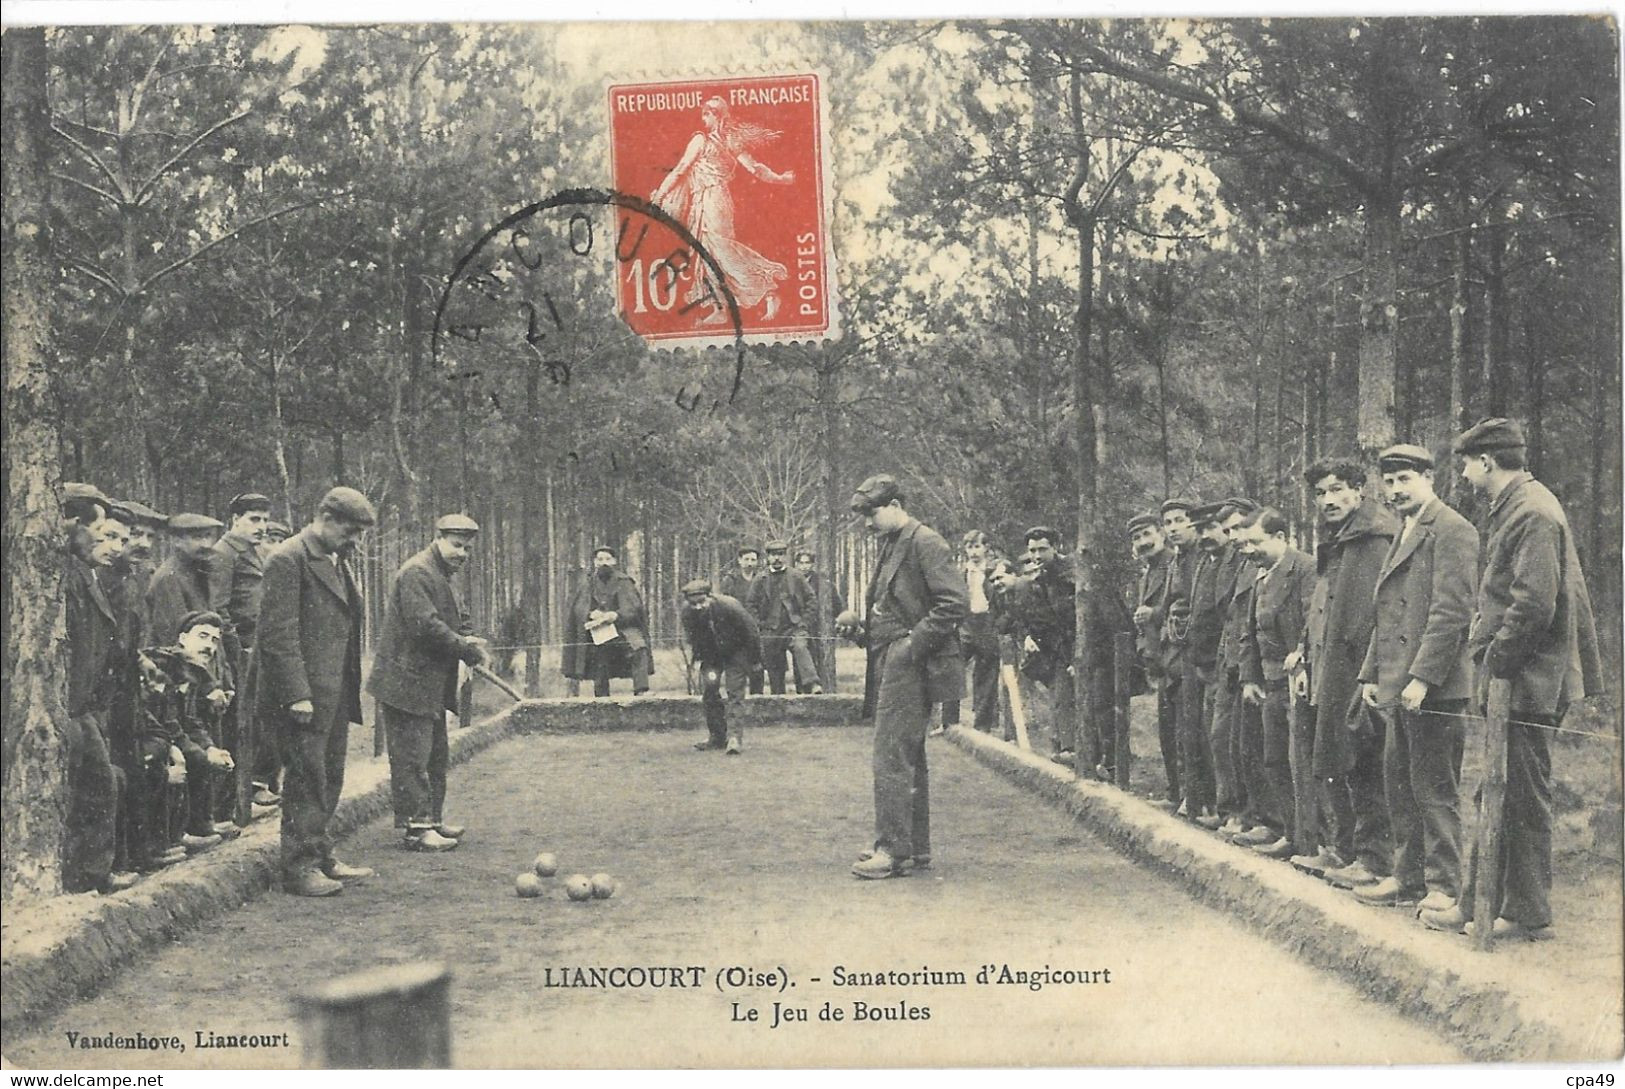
x,y
278,527
1495,433
1404,456
72,490
606,548
1240,504
1207,514
875,492
349,505
1178,503
776,546
697,586
457,523
142,513
248,501
196,619
1144,520
193,523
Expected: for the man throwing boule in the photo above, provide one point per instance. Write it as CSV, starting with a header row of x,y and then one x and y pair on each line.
x,y
726,646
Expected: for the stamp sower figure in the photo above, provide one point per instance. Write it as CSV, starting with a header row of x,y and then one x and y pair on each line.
x,y
784,607
427,632
916,601
608,599
726,646
1417,676
310,682
736,584
1534,628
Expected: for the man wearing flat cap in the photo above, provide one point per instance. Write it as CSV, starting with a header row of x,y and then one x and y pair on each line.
x,y
915,603
786,612
1534,629
184,583
238,569
1229,712
1151,549
427,632
1209,597
1416,676
725,644
309,682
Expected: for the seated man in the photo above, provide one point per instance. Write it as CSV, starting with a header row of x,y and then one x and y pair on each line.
x,y
193,700
606,629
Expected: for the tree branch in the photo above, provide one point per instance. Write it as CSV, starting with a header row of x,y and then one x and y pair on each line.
x,y
182,262
163,168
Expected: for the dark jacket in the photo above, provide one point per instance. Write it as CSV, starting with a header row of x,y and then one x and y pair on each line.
x,y
309,634
1279,606
736,585
1338,631
1424,605
723,635
1211,586
918,583
825,595
238,580
92,639
1176,610
1534,623
1051,619
424,637
619,595
1153,593
178,698
782,603
178,588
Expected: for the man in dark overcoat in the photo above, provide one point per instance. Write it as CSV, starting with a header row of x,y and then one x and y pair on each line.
x,y
736,584
310,683
1150,610
1355,535
726,646
782,601
916,601
1533,628
427,632
1417,676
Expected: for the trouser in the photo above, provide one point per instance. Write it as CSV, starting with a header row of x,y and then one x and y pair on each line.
x,y
1280,810
417,767
716,709
1195,753
773,651
146,802
1421,766
902,791
204,784
90,834
1523,888
1311,806
313,777
1359,805
601,662
1063,712
1230,794
871,684
982,655
1250,763
1168,734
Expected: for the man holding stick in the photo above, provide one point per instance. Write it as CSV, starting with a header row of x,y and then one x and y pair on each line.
x,y
427,632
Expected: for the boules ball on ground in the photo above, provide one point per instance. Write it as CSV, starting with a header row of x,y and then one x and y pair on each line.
x,y
545,865
528,886
603,886
577,887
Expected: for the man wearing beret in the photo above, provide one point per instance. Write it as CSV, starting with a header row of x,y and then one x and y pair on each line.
x,y
427,632
309,684
1416,676
1533,628
916,601
785,614
1150,609
1355,536
723,638
608,601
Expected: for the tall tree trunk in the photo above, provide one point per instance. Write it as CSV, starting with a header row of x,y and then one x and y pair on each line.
x,y
33,798
1493,378
1344,389
1535,372
1379,325
830,420
1461,369
1250,472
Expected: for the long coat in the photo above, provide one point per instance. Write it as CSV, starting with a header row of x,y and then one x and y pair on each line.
x,y
1338,630
238,579
309,634
622,597
178,588
1424,604
724,635
1153,593
1235,575
1534,623
92,639
1280,604
920,582
424,637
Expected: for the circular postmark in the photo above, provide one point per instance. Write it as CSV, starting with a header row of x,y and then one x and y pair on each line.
x,y
527,289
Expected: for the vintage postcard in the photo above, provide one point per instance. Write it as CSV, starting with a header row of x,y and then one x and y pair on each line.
x,y
939,543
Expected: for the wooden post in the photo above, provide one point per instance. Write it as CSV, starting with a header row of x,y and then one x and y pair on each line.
x,y
465,699
1018,709
380,744
396,1017
533,671
1493,795
248,743
1123,661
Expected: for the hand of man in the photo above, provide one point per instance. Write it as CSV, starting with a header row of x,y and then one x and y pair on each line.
x,y
1030,645
302,712
219,697
220,758
1142,614
482,655
1252,693
1412,695
1300,684
1293,661
1368,692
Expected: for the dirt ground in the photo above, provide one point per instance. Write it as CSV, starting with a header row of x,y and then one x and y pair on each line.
x,y
742,862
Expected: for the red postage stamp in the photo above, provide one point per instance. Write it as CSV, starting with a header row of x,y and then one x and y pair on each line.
x,y
739,163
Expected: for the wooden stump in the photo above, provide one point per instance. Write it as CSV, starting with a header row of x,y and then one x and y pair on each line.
x,y
1123,661
396,1017
1494,789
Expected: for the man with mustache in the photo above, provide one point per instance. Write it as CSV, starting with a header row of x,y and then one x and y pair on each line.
x,y
722,635
608,601
427,632
1150,605
1225,695
1201,659
784,608
1354,540
736,584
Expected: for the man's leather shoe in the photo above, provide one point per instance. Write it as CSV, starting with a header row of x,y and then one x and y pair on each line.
x,y
707,745
227,830
174,854
1210,821
1451,920
341,871
1232,827
1509,928
1386,893
451,831
1066,758
1319,862
195,844
260,812
264,795
1256,836
1352,875
734,747
312,883
878,866
428,840
904,865
1436,901
816,690
1281,848
1162,803
938,731
119,881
